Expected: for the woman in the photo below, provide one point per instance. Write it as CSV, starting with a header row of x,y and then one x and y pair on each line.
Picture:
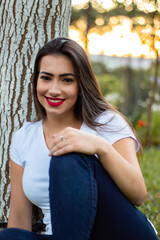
x,y
77,161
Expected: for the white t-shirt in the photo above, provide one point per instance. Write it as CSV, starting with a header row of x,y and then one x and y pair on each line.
x,y
29,150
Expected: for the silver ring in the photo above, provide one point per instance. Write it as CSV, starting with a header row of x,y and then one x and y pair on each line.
x,y
63,139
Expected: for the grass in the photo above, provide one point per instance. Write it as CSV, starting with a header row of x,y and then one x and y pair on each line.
x,y
150,166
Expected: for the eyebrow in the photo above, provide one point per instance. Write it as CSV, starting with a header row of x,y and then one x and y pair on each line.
x,y
61,75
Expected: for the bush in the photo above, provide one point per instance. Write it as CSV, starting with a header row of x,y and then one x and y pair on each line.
x,y
155,128
109,83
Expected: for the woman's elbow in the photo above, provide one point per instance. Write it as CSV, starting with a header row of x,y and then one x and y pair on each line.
x,y
139,200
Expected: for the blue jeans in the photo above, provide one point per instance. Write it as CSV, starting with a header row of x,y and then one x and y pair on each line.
x,y
87,205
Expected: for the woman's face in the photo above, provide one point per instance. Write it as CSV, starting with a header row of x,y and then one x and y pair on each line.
x,y
57,85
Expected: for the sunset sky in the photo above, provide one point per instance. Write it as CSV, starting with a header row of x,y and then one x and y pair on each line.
x,y
121,41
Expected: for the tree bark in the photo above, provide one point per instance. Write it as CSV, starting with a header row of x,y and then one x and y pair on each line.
x,y
25,27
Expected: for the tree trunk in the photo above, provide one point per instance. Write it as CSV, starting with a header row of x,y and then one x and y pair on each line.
x,y
25,27
150,103
88,22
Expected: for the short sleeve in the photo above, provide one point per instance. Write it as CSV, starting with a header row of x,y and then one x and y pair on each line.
x,y
116,128
16,147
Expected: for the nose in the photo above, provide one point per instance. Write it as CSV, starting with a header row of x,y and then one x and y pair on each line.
x,y
54,89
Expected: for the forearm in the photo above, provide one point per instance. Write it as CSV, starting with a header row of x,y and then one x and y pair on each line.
x,y
19,220
126,176
20,215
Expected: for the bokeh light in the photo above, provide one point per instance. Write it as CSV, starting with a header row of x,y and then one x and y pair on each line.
x,y
121,40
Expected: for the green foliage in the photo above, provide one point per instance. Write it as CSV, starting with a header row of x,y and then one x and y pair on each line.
x,y
112,88
99,67
109,83
125,87
155,128
151,167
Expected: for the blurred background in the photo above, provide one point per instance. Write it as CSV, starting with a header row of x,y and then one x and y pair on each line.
x,y
122,38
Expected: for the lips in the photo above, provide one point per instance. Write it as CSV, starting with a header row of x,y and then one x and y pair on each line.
x,y
54,102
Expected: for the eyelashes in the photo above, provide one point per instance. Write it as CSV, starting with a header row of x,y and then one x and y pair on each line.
x,y
45,78
68,80
65,80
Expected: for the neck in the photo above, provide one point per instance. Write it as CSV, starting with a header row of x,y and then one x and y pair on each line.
x,y
55,125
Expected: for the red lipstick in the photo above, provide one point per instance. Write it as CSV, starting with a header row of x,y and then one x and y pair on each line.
x,y
54,102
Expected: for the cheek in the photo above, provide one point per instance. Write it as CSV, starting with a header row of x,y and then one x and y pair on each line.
x,y
40,89
40,93
74,95
75,92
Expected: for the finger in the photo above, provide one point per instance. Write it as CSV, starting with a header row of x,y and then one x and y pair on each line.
x,y
57,139
66,137
64,150
65,133
58,146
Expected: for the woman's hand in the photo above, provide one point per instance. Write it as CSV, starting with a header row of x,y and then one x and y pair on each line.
x,y
119,160
74,140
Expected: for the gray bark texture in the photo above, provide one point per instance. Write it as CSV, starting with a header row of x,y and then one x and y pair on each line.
x,y
25,27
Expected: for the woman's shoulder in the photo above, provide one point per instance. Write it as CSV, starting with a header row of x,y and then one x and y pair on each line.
x,y
29,126
111,119
115,127
27,129
22,140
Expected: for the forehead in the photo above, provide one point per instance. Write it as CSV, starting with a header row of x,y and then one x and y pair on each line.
x,y
56,63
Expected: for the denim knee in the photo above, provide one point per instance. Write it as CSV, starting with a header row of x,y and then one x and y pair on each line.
x,y
20,234
73,196
67,161
16,234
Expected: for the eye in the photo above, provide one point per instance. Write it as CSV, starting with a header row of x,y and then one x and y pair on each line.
x,y
68,80
45,78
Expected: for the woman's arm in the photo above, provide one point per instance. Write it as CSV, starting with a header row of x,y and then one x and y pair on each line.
x,y
119,160
20,215
121,163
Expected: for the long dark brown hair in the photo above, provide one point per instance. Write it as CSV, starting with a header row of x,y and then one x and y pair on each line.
x,y
90,103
